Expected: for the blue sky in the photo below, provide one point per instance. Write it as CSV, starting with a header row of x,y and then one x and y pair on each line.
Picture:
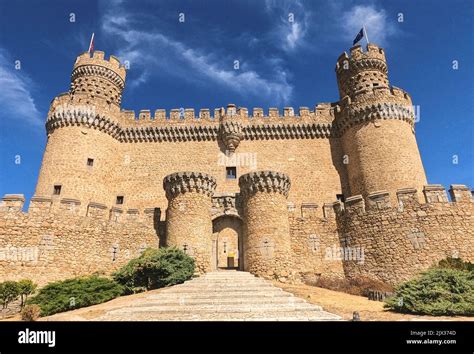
x,y
190,64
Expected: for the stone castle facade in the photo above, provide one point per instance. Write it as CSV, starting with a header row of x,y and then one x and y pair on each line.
x,y
334,191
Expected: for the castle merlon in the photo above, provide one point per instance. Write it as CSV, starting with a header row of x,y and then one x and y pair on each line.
x,y
98,58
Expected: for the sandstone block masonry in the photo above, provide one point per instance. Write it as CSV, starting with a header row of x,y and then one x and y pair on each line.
x,y
359,202
188,217
53,241
267,247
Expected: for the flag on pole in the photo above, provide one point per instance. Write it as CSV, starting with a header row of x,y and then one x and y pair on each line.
x,y
359,36
91,45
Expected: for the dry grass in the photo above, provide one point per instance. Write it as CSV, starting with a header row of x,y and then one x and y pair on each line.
x,y
359,286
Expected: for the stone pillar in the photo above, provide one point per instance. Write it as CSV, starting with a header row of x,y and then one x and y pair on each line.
x,y
267,249
97,210
435,193
460,193
188,217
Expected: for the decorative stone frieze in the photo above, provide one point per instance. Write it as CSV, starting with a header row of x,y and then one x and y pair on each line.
x,y
182,182
96,70
265,181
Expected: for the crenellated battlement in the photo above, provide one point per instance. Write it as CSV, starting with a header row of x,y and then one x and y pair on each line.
x,y
45,206
98,58
434,194
183,125
356,53
323,112
264,181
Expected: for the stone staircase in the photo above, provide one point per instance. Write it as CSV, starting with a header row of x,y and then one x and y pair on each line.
x,y
221,296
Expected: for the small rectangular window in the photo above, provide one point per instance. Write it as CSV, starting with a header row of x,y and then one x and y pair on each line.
x,y
231,172
90,162
119,199
57,189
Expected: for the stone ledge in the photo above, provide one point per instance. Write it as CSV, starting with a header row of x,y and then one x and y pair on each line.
x,y
41,199
97,205
13,197
70,201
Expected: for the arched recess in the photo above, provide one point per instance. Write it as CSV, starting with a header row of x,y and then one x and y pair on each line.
x,y
227,245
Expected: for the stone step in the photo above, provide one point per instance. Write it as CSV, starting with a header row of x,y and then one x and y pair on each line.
x,y
229,316
226,281
178,301
228,277
265,295
234,291
160,309
220,296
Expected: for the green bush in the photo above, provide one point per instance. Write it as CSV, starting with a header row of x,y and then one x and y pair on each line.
x,y
75,293
438,291
155,268
456,263
26,287
9,291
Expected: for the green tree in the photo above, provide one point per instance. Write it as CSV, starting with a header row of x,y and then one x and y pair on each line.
x,y
26,287
9,291
155,268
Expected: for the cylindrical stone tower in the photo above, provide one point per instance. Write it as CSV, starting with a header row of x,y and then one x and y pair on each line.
x,y
82,128
188,217
267,249
376,123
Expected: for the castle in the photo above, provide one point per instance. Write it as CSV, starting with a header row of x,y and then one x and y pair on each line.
x,y
334,191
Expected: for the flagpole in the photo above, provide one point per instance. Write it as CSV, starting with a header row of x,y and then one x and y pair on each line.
x,y
91,44
366,36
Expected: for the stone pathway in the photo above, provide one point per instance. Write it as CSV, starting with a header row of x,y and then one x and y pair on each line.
x,y
220,296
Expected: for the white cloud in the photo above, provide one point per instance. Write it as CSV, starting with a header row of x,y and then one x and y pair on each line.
x,y
16,100
376,23
151,51
290,34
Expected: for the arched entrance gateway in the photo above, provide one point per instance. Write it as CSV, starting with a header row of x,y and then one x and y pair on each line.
x,y
227,242
245,231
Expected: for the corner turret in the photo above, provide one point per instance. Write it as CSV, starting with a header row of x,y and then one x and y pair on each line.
x,y
376,125
98,78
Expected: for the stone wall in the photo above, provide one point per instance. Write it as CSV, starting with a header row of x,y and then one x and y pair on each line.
x,y
400,241
53,241
315,243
